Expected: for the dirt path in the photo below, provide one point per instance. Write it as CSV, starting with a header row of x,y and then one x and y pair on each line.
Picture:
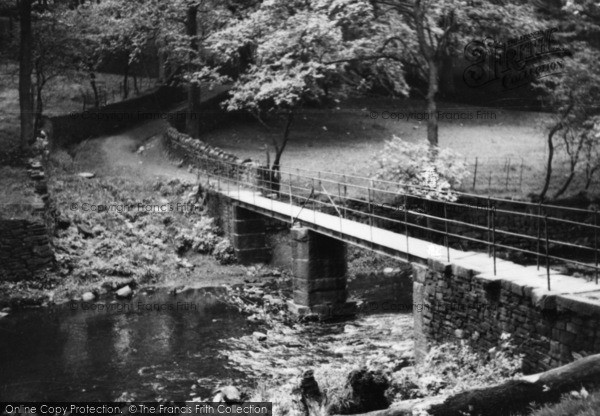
x,y
139,154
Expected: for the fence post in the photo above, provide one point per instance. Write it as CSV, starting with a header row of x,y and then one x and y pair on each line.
x,y
521,176
507,173
475,173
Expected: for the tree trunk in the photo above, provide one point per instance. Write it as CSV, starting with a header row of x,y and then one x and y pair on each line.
x,y
39,104
428,52
25,70
94,89
276,167
162,66
432,89
448,86
193,120
549,161
574,160
126,81
509,398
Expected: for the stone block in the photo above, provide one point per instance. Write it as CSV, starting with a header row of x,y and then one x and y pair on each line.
x,y
249,241
252,255
250,226
315,285
319,298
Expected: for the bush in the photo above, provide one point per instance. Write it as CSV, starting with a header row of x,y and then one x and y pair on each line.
x,y
416,172
224,253
202,238
454,367
577,403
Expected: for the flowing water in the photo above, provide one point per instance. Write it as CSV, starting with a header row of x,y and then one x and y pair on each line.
x,y
160,346
154,346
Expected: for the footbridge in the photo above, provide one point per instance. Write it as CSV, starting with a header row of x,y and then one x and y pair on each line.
x,y
527,242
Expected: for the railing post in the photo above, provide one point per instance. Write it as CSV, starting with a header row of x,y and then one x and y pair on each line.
x,y
539,232
596,243
493,215
547,248
489,225
314,202
406,224
291,199
370,212
446,231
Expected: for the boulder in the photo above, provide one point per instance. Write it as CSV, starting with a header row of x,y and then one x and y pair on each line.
x,y
228,394
365,393
259,336
86,175
88,297
124,292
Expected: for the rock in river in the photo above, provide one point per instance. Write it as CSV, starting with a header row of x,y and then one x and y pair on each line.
x,y
259,336
124,292
88,297
227,394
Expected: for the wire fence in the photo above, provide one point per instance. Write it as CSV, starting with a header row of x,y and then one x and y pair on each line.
x,y
527,233
106,95
517,174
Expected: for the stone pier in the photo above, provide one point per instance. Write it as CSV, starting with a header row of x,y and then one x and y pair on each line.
x,y
249,236
319,270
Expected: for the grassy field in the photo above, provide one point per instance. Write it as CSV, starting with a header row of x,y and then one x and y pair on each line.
x,y
510,146
63,94
349,138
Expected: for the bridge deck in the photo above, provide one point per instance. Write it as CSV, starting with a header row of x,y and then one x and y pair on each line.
x,y
411,249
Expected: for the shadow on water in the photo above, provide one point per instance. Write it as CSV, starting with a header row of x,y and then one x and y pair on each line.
x,y
154,346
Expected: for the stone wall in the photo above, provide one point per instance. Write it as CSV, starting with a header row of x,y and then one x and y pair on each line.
x,y
26,229
214,160
457,303
70,129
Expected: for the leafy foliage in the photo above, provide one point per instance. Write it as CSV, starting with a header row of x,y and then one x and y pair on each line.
x,y
302,50
412,168
577,403
454,367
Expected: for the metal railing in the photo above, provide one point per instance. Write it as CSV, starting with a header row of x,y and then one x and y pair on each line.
x,y
523,232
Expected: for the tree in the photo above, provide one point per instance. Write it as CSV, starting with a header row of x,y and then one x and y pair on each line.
x,y
304,52
25,70
439,29
574,94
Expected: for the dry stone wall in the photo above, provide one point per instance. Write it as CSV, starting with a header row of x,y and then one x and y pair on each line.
x,y
25,231
457,304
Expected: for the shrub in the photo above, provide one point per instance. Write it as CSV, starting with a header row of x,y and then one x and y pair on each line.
x,y
416,172
453,367
224,253
577,403
202,238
